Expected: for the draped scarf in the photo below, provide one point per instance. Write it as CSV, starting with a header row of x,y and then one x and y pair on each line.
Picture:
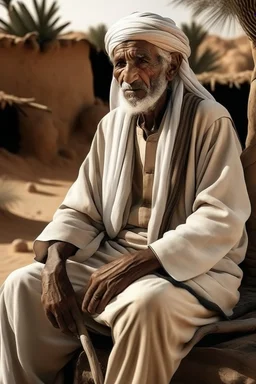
x,y
163,33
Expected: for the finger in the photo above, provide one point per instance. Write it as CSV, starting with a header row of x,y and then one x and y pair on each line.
x,y
93,304
106,298
88,297
70,322
52,319
95,299
62,324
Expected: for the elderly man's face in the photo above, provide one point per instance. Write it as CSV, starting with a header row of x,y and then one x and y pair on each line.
x,y
139,70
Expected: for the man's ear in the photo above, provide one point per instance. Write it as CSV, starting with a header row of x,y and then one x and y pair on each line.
x,y
174,66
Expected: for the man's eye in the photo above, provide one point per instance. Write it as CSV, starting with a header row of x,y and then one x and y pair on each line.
x,y
119,64
142,60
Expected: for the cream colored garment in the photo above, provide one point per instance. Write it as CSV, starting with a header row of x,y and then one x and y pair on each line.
x,y
150,336
163,33
143,178
207,239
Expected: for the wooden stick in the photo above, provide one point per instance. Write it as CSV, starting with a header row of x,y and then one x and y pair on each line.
x,y
89,351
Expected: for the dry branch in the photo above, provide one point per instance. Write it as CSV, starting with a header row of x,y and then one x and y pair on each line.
x,y
20,101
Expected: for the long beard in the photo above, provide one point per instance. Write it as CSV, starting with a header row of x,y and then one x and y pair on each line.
x,y
137,106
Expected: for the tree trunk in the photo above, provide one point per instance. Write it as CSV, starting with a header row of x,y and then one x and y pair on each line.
x,y
251,136
249,164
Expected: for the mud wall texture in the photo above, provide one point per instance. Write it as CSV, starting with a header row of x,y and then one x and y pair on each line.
x,y
59,77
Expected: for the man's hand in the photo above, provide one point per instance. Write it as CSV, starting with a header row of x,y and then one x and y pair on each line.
x,y
58,296
111,279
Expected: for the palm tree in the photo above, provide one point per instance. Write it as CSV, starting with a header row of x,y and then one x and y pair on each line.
x,y
244,11
219,12
22,22
208,60
96,36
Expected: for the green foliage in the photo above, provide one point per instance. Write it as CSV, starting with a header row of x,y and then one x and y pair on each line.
x,y
97,35
213,11
22,22
208,60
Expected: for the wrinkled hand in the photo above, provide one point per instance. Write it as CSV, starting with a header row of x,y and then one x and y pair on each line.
x,y
58,297
111,279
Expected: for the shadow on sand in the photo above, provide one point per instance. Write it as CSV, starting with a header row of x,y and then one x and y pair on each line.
x,y
14,226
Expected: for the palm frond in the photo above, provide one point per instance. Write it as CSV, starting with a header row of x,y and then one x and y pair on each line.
x,y
96,36
54,22
58,30
6,27
17,22
45,22
208,60
42,13
195,33
51,12
213,13
27,17
36,7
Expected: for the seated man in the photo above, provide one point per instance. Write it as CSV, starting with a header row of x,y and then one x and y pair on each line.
x,y
152,231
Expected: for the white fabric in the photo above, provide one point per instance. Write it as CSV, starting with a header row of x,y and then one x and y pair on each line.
x,y
163,33
120,167
144,328
207,238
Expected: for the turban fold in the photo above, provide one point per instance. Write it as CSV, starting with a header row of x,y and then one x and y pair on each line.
x,y
157,30
161,32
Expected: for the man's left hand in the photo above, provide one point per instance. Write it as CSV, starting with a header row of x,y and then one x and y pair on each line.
x,y
111,279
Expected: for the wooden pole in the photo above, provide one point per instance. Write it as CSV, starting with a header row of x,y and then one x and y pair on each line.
x,y
89,351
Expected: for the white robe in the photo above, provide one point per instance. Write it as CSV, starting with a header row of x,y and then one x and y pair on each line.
x,y
207,239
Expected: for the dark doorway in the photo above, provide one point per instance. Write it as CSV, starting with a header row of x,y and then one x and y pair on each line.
x,y
102,73
235,100
9,129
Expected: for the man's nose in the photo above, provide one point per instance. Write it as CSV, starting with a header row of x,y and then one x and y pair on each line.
x,y
131,74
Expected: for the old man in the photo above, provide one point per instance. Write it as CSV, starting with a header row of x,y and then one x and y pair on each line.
x,y
152,231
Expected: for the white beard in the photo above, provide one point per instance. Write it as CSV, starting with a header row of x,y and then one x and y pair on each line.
x,y
136,106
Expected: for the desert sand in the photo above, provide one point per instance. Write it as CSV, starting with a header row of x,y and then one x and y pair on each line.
x,y
31,211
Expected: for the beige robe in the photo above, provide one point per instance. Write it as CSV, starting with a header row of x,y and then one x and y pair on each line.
x,y
207,238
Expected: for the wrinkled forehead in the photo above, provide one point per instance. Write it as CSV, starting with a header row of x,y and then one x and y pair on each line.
x,y
139,47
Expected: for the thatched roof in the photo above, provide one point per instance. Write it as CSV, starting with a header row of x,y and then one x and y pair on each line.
x,y
6,99
30,40
230,79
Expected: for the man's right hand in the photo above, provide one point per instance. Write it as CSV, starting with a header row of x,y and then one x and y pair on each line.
x,y
58,296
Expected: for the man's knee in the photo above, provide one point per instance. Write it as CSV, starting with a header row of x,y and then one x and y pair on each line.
x,y
23,278
150,304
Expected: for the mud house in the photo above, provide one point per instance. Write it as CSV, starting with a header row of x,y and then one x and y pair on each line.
x,y
58,77
16,120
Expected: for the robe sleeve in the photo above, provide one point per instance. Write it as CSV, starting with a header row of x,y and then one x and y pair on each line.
x,y
221,207
78,220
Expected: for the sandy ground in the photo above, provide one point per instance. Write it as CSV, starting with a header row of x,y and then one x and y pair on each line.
x,y
31,212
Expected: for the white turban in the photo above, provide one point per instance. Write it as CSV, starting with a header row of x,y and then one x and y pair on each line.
x,y
161,32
